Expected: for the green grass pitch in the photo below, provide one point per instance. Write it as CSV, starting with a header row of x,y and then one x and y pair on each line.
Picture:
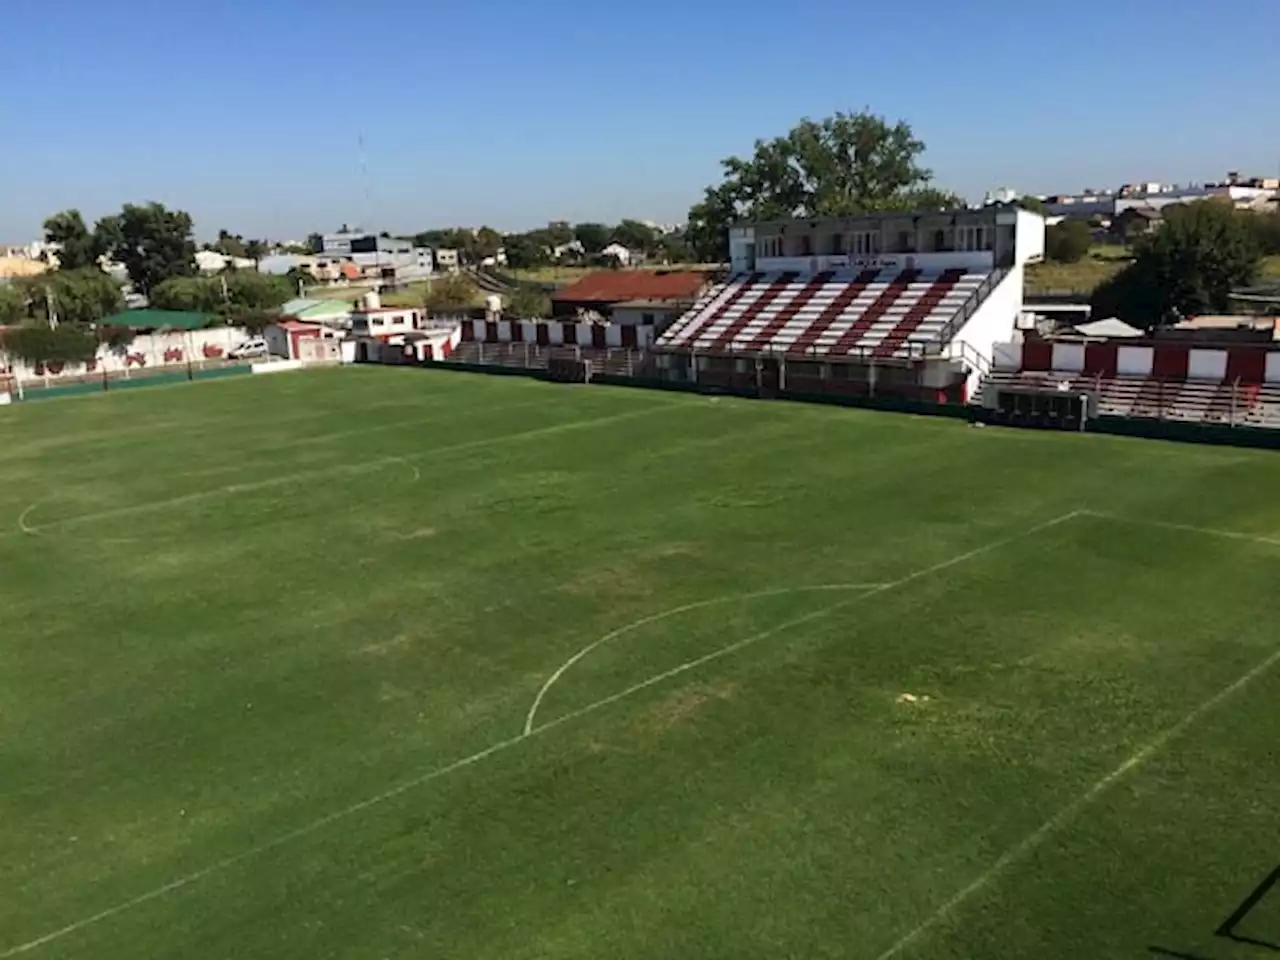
x,y
854,684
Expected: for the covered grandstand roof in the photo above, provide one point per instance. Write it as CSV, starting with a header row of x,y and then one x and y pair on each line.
x,y
156,319
617,286
1109,328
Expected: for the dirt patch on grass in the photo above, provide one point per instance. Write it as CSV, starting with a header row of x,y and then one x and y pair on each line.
x,y
613,583
683,705
422,533
664,551
385,648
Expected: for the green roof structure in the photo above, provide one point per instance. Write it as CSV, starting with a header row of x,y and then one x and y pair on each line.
x,y
157,319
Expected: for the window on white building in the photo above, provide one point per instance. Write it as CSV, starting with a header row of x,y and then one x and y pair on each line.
x,y
973,237
865,244
769,247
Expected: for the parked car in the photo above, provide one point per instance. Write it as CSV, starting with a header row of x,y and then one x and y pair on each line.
x,y
253,347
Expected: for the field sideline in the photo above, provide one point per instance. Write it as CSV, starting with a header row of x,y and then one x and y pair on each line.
x,y
391,663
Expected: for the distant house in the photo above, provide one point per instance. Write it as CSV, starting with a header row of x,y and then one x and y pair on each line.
x,y
446,259
278,264
616,251
288,338
210,261
571,249
1134,222
336,313
605,292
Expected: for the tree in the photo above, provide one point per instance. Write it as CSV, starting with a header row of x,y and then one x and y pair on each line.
x,y
199,294
13,306
81,296
79,247
559,233
255,250
1032,204
229,244
1189,266
636,236
1266,230
529,304
1067,242
226,294
488,242
153,242
673,248
525,251
594,237
846,164
451,294
40,344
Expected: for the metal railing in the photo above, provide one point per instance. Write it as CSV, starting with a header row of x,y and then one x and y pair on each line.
x,y
971,305
1230,403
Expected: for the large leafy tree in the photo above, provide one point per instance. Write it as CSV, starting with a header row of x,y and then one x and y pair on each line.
x,y
80,296
451,294
526,250
13,305
594,237
486,243
153,242
529,304
1266,228
229,244
1203,251
845,164
80,247
1067,242
227,293
637,236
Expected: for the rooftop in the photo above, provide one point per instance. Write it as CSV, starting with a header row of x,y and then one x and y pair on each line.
x,y
156,319
618,286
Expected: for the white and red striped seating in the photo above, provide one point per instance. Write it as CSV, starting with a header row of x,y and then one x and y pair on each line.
x,y
1191,400
835,313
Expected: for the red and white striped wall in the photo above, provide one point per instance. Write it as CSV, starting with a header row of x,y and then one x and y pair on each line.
x,y
555,333
1169,361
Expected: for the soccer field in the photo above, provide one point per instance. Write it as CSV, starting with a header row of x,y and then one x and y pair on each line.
x,y
382,663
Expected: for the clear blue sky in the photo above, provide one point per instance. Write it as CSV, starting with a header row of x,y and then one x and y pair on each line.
x,y
248,113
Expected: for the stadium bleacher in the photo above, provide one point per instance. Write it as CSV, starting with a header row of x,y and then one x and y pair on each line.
x,y
834,313
1190,400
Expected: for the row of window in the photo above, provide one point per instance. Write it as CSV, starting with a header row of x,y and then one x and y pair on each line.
x,y
967,238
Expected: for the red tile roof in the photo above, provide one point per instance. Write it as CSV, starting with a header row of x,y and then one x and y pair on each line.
x,y
615,286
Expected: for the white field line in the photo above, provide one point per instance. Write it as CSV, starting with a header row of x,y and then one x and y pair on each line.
x,y
235,488
22,521
1068,813
438,772
672,612
1185,528
871,591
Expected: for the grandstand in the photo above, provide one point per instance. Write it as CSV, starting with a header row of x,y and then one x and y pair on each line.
x,y
1046,382
907,304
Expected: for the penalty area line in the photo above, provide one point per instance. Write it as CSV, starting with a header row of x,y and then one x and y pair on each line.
x,y
1067,814
195,877
1185,528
